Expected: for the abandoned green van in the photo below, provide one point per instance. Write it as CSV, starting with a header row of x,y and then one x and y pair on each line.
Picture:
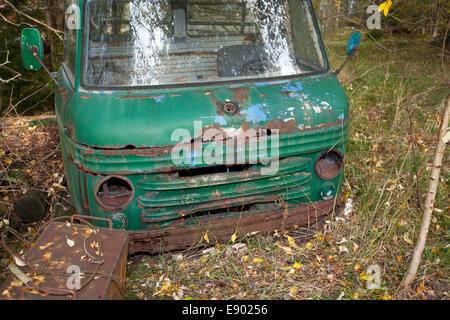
x,y
185,121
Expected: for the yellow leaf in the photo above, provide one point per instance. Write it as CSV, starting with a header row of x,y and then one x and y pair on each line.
x,y
309,245
233,237
244,258
297,265
364,276
407,239
319,237
293,289
206,237
291,241
421,289
355,295
357,266
257,260
385,6
47,255
287,250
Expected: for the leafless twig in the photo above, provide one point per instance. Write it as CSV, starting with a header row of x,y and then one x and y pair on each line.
x,y
57,32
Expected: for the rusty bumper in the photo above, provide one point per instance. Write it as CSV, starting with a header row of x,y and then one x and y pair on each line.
x,y
221,228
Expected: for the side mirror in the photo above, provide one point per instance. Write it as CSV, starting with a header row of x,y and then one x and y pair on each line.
x,y
353,42
352,49
31,41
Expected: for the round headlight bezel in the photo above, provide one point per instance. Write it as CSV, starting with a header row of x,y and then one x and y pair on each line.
x,y
109,206
329,164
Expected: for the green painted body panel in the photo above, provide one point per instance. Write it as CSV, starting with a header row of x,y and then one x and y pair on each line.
x,y
128,133
147,118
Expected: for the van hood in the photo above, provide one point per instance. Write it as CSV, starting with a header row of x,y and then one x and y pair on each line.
x,y
148,118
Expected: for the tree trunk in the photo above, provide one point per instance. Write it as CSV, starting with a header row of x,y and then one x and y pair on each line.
x,y
436,22
53,14
336,19
325,16
429,202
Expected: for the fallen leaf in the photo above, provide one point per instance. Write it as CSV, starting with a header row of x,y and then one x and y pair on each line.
x,y
309,245
291,241
407,239
293,289
421,289
297,265
70,242
47,255
233,237
257,260
287,250
343,249
19,261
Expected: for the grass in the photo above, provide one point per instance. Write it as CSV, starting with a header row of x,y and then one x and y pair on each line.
x,y
396,92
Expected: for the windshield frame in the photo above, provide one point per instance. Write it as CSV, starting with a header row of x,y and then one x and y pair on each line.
x,y
84,54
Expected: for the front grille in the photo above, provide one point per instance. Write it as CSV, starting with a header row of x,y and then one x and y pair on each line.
x,y
169,196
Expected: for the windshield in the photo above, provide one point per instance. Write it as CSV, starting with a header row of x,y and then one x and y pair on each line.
x,y
161,42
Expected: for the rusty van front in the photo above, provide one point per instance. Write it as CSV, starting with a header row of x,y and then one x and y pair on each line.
x,y
185,118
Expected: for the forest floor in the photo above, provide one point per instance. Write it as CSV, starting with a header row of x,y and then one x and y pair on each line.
x,y
396,91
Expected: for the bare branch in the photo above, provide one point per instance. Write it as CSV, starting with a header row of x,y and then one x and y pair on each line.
x,y
3,66
57,32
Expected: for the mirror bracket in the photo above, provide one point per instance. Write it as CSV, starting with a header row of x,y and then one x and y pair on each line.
x,y
350,56
34,52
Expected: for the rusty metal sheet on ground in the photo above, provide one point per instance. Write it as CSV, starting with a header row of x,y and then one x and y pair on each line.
x,y
63,249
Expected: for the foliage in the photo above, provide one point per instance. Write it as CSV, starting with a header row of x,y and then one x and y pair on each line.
x,y
35,87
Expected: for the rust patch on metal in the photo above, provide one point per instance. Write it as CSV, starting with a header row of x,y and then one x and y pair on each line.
x,y
86,152
154,152
283,126
69,129
180,237
65,94
140,97
114,193
240,93
50,276
329,164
